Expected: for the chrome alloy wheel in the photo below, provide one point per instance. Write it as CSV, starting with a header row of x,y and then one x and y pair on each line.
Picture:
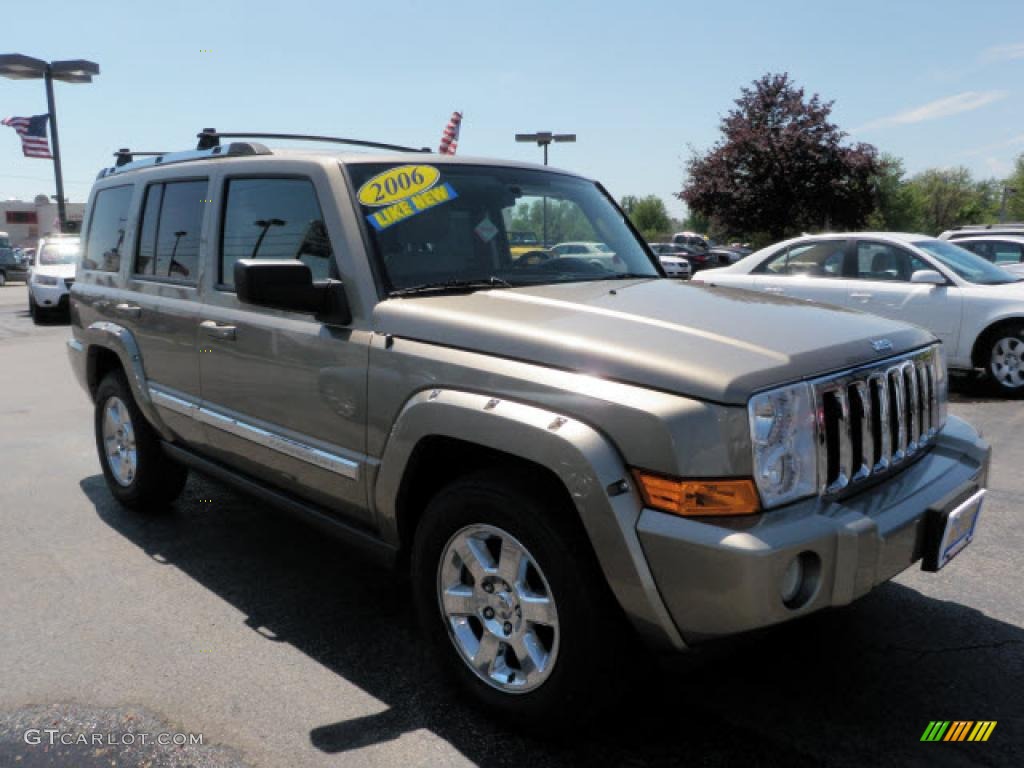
x,y
499,608
1007,364
119,441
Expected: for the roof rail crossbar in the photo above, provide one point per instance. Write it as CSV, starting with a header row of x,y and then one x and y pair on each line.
x,y
125,156
210,137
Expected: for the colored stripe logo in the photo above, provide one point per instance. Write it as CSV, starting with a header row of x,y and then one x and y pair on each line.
x,y
958,730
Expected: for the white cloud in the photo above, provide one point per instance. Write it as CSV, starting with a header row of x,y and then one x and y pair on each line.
x,y
1013,141
1003,52
967,101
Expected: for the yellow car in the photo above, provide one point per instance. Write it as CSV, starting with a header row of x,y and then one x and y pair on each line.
x,y
521,242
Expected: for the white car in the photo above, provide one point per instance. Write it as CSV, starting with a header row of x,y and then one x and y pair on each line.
x,y
596,253
51,275
673,260
975,307
1006,251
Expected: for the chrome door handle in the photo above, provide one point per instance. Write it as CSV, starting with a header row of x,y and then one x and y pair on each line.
x,y
861,295
128,310
774,289
215,330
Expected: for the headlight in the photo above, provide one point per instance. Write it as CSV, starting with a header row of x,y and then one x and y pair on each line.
x,y
782,432
44,280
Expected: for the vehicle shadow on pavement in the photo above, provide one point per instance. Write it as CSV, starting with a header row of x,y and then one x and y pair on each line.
x,y
972,389
855,686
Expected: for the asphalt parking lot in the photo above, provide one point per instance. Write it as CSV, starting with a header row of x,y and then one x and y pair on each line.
x,y
285,649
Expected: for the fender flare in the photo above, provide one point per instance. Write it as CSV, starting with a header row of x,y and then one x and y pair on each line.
x,y
121,342
583,459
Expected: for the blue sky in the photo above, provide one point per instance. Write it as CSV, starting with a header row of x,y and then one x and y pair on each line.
x,y
937,83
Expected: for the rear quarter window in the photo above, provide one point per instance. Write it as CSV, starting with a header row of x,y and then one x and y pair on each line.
x,y
108,221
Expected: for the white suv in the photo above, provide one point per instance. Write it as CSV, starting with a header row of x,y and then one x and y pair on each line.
x,y
51,276
975,307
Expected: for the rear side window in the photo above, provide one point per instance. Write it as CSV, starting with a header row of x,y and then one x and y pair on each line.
x,y
815,259
107,224
273,219
172,222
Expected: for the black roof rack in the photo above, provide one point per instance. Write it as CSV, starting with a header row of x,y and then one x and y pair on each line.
x,y
125,156
210,137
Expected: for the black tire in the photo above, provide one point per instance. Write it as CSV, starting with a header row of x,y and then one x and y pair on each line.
x,y
1005,379
592,634
157,480
3,279
34,310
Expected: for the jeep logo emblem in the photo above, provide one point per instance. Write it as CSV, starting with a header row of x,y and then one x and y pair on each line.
x,y
881,345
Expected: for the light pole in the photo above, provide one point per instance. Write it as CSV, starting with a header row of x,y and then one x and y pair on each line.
x,y
1007,192
19,67
544,139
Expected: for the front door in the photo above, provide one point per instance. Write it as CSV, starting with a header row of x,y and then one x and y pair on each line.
x,y
284,395
882,287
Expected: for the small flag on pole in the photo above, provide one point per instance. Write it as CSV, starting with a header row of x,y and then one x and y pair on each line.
x,y
32,131
450,136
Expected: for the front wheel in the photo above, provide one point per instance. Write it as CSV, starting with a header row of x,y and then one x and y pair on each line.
x,y
3,279
138,473
1005,360
511,598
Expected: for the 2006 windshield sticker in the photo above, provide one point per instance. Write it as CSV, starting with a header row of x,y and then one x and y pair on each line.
x,y
402,192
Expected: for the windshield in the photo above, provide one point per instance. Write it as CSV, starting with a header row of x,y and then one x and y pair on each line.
x,y
455,224
58,253
967,265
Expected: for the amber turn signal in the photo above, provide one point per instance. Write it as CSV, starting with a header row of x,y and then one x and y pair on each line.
x,y
698,498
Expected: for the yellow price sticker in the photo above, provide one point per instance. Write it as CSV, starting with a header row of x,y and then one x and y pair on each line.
x,y
397,184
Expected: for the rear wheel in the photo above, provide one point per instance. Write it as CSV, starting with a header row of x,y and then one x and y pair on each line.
x,y
3,279
511,598
138,473
1005,360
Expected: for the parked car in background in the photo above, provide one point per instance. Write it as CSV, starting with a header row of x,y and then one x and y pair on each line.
x,y
672,259
1006,251
724,255
12,267
52,274
521,242
973,306
598,254
693,239
973,230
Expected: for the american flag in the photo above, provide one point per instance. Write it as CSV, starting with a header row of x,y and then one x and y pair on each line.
x,y
33,134
450,137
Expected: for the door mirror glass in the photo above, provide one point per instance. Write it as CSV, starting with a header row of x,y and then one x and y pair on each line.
x,y
928,277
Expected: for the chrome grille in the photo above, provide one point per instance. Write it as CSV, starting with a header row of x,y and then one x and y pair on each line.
x,y
872,419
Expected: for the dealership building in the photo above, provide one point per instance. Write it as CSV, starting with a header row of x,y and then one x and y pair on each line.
x,y
25,222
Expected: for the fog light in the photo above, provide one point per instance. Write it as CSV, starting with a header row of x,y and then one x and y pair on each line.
x,y
791,581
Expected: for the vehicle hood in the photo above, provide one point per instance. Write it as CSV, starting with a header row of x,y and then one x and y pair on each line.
x,y
711,343
55,270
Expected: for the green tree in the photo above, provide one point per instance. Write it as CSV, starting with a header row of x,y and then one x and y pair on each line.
x,y
897,207
1015,200
649,215
948,197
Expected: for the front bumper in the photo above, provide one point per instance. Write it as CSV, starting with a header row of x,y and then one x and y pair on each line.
x,y
49,296
718,580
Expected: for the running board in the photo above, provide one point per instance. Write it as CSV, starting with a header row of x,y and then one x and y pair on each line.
x,y
377,550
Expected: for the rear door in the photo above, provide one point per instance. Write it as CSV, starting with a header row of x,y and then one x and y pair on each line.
x,y
813,270
882,286
284,395
160,302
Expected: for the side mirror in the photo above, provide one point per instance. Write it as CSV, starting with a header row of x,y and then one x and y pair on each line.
x,y
288,284
927,277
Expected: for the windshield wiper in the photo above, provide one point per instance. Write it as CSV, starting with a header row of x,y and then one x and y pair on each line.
x,y
628,276
451,285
